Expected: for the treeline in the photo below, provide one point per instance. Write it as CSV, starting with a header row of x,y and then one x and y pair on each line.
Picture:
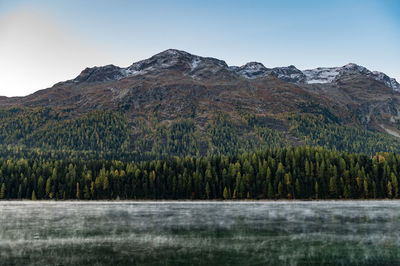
x,y
288,173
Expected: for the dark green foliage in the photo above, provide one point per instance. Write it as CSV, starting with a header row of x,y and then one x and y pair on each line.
x,y
97,131
179,139
231,137
318,131
56,134
47,133
18,124
53,130
301,172
102,155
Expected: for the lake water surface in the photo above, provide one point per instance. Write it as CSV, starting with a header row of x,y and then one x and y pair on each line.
x,y
200,233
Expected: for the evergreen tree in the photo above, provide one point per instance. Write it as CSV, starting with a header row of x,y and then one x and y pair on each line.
x,y
298,189
207,189
389,190
40,187
270,191
78,196
48,187
366,191
280,189
33,195
333,187
226,194
395,186
86,193
2,191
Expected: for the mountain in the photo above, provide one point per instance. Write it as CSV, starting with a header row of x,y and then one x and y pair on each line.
x,y
176,103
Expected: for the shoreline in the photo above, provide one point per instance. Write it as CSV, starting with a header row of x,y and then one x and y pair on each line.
x,y
197,201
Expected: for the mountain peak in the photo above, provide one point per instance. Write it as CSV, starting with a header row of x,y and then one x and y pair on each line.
x,y
99,74
177,59
350,65
289,74
254,65
199,67
173,52
251,70
355,67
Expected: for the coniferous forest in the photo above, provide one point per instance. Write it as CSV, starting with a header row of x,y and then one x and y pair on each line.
x,y
46,154
287,173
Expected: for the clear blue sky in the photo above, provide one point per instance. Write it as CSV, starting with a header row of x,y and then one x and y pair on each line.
x,y
71,34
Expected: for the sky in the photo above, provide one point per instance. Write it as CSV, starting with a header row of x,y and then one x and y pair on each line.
x,y
44,42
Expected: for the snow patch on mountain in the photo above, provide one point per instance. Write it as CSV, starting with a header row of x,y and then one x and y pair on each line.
x,y
321,74
330,74
388,81
195,63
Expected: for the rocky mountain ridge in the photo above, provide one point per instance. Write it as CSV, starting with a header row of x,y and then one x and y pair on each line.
x,y
195,66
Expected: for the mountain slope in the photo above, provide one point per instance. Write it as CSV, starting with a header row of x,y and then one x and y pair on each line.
x,y
176,103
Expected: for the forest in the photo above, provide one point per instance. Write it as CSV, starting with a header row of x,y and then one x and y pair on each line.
x,y
104,135
284,173
52,154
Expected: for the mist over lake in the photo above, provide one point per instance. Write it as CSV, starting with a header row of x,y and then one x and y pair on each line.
x,y
198,233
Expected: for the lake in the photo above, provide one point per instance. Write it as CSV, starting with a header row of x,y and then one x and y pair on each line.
x,y
200,233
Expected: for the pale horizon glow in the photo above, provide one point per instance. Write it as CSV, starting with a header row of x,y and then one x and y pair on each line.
x,y
45,42
36,53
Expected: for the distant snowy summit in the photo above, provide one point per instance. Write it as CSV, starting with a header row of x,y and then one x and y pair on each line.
x,y
320,75
330,74
199,67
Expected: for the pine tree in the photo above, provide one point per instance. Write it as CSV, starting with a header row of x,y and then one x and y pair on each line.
x,y
366,188
78,196
395,186
389,190
33,195
92,189
269,174
105,185
307,169
271,193
347,191
207,190
226,194
280,171
2,191
19,191
48,187
86,193
288,183
280,189
234,194
40,187
298,188
333,187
